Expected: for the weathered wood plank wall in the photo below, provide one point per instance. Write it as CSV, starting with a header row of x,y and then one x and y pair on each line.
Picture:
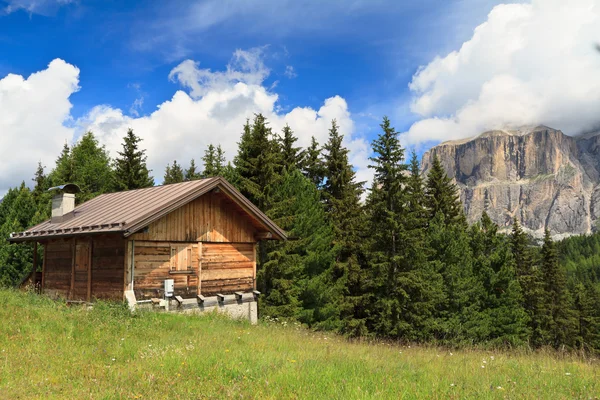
x,y
108,264
63,257
210,218
227,267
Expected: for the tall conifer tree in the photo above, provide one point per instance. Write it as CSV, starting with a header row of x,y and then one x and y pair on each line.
x,y
191,174
442,195
313,166
342,201
292,157
131,171
173,173
560,324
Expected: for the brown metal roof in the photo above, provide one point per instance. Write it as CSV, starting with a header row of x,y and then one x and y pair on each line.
x,y
129,211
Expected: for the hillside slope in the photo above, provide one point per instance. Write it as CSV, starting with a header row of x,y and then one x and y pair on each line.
x,y
50,351
540,175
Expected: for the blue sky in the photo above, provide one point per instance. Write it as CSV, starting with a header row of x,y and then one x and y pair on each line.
x,y
122,64
366,55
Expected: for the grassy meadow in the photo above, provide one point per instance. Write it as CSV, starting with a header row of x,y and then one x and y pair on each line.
x,y
49,350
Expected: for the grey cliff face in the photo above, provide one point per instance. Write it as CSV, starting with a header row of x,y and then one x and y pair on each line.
x,y
541,176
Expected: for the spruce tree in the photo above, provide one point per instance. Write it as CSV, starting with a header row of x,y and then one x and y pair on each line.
x,y
292,156
219,161
63,171
131,171
313,166
385,205
504,320
530,281
191,174
291,277
173,174
88,165
342,201
441,195
209,161
560,324
258,162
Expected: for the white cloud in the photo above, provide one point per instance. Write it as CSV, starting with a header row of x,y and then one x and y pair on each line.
x,y
35,111
215,110
43,7
527,64
290,72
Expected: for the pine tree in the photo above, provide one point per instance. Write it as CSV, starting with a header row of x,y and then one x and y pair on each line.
x,y
131,171
560,325
88,165
191,174
173,174
219,161
441,195
258,162
16,211
209,160
389,237
291,277
342,201
63,171
41,196
504,321
530,281
292,157
313,166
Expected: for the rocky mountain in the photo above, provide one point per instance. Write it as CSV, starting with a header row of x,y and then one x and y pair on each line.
x,y
538,174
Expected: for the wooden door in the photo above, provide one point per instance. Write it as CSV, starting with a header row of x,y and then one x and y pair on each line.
x,y
81,271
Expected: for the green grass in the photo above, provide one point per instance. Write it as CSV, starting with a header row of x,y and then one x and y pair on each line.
x,y
49,350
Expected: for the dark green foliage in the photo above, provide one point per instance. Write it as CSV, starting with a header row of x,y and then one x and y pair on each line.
x,y
131,171
291,157
313,166
530,281
505,320
173,174
342,195
191,174
88,165
559,323
16,210
214,161
258,162
441,195
291,274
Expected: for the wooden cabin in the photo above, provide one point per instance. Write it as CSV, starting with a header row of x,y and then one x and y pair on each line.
x,y
201,234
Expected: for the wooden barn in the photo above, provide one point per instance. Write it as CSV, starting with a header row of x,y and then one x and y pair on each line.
x,y
202,235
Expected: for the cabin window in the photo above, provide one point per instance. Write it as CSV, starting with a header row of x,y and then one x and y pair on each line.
x,y
181,258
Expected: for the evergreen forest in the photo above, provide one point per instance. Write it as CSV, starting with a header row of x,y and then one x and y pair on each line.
x,y
396,260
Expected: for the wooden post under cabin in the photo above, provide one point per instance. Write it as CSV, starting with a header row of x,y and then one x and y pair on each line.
x,y
35,264
43,270
73,260
89,277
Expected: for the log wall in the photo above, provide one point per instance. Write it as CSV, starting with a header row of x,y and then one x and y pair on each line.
x,y
157,261
227,267
223,268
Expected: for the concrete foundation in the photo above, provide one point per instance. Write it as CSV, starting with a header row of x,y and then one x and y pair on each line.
x,y
236,306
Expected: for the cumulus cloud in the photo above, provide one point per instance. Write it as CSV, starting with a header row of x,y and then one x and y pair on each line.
x,y
34,118
214,109
527,64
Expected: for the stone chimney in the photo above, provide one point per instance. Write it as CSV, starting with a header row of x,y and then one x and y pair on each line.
x,y
63,202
